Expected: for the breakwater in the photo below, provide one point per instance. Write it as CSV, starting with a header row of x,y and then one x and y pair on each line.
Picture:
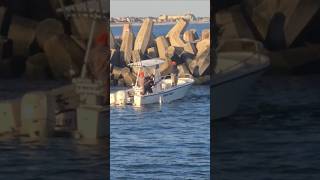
x,y
288,30
186,47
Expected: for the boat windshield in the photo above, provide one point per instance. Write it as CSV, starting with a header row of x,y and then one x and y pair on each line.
x,y
147,63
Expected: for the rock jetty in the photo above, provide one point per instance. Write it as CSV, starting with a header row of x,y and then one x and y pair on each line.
x,y
288,28
190,51
38,42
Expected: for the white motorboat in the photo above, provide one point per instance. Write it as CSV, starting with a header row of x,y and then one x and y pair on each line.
x,y
235,72
162,92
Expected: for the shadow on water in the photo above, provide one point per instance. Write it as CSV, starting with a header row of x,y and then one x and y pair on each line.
x,y
275,133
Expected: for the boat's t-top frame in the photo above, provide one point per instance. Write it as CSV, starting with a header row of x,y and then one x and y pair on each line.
x,y
150,63
96,10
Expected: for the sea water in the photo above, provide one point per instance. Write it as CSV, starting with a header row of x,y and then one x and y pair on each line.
x,y
274,134
160,30
168,141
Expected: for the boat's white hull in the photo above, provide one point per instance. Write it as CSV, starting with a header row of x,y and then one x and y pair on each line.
x,y
166,96
236,72
228,94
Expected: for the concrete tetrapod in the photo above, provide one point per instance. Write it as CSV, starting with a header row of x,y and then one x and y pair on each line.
x,y
144,36
127,43
174,35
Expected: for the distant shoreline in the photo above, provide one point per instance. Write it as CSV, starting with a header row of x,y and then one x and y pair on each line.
x,y
160,24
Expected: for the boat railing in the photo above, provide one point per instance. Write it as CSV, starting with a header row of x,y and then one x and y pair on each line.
x,y
257,45
95,9
188,76
169,76
166,76
256,51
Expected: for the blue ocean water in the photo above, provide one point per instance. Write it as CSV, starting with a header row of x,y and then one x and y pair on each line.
x,y
161,29
157,142
24,158
275,133
168,141
57,158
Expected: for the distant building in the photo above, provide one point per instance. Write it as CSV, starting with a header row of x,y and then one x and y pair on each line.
x,y
190,17
163,18
172,18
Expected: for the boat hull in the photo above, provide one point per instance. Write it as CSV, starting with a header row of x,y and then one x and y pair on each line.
x,y
228,94
171,94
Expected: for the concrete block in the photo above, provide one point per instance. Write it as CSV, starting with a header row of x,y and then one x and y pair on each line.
x,y
189,36
162,45
202,45
183,70
193,67
128,77
232,24
127,43
136,56
144,36
47,29
22,32
174,35
203,62
37,67
81,27
116,72
205,34
65,57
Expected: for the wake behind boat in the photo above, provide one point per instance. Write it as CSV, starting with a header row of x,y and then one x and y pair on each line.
x,y
163,89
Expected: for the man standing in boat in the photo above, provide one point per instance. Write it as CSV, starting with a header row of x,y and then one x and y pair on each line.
x,y
149,82
174,73
141,82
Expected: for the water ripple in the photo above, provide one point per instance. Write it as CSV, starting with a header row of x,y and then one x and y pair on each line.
x,y
274,135
171,141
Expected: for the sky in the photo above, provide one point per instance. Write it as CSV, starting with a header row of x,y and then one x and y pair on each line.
x,y
142,8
